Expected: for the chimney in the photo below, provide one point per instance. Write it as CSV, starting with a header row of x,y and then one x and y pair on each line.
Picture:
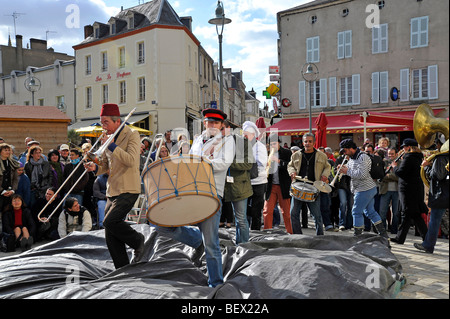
x,y
37,44
187,21
252,93
18,41
88,31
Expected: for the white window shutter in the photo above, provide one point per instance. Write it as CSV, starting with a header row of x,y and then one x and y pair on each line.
x,y
316,55
348,44
433,82
333,96
384,87
301,95
375,87
323,92
356,90
375,39
404,85
309,50
414,32
383,38
341,46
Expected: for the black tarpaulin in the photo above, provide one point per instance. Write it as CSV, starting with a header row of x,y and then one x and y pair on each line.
x,y
273,265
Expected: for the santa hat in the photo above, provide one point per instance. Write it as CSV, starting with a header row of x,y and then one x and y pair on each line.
x,y
110,110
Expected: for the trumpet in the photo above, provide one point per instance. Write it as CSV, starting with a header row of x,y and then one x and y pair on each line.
x,y
339,175
399,157
89,156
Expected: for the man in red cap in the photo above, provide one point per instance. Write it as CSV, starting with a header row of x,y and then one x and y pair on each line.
x,y
220,151
121,158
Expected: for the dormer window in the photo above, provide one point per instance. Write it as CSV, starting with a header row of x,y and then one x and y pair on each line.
x,y
97,32
131,22
112,26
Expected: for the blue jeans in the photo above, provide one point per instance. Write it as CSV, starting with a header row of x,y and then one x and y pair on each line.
x,y
345,208
384,206
314,208
433,228
101,212
208,232
240,217
363,204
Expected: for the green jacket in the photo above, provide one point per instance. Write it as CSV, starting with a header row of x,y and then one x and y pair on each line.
x,y
239,170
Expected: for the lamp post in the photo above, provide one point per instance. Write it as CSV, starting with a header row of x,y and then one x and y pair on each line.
x,y
220,21
310,73
32,84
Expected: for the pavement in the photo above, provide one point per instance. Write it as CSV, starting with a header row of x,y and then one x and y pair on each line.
x,y
427,275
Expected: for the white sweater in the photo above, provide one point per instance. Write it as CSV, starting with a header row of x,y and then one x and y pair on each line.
x,y
221,159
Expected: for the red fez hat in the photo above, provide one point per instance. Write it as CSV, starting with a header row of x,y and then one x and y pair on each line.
x,y
214,115
110,110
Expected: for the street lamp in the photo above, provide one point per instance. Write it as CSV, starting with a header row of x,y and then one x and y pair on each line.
x,y
220,21
32,84
310,73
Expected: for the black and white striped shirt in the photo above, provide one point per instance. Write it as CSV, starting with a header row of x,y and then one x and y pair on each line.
x,y
359,171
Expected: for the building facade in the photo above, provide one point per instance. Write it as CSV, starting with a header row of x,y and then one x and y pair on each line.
x,y
383,56
144,57
56,87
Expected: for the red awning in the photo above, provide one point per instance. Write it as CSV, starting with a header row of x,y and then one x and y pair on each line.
x,y
340,124
398,118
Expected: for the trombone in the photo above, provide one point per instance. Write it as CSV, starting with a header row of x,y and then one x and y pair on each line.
x,y
88,155
339,175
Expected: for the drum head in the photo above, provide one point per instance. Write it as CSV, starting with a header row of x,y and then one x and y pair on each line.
x,y
183,210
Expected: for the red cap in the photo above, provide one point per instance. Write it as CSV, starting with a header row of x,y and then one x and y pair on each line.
x,y
110,110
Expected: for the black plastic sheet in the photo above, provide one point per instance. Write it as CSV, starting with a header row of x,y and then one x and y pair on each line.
x,y
272,265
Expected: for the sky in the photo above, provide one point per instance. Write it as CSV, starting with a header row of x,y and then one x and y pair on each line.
x,y
249,41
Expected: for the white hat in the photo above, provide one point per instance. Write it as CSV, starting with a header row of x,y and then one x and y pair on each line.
x,y
32,143
64,147
250,127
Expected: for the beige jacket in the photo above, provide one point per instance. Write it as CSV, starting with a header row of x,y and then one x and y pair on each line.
x,y
123,164
321,165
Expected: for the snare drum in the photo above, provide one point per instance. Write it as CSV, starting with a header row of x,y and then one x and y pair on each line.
x,y
180,190
304,192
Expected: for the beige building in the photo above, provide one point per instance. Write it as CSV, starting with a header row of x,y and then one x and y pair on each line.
x,y
145,57
371,56
55,87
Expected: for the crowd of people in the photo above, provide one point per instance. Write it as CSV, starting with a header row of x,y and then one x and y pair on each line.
x,y
253,192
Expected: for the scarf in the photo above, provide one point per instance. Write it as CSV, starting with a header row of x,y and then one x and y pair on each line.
x,y
36,173
59,173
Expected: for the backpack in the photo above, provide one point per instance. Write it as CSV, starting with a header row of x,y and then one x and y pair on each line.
x,y
244,143
376,167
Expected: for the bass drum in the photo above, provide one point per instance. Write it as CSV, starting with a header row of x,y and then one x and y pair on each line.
x,y
180,191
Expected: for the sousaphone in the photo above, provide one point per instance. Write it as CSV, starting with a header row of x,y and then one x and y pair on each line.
x,y
426,125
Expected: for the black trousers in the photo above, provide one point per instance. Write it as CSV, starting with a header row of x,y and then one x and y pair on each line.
x,y
119,233
255,205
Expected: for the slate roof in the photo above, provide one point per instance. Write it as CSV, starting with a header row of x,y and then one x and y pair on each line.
x,y
153,12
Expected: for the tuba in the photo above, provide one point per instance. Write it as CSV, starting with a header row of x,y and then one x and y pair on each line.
x,y
426,125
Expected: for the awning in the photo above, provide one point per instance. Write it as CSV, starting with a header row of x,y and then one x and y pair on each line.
x,y
397,118
339,124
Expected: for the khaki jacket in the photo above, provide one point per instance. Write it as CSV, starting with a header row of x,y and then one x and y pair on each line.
x,y
123,164
321,165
